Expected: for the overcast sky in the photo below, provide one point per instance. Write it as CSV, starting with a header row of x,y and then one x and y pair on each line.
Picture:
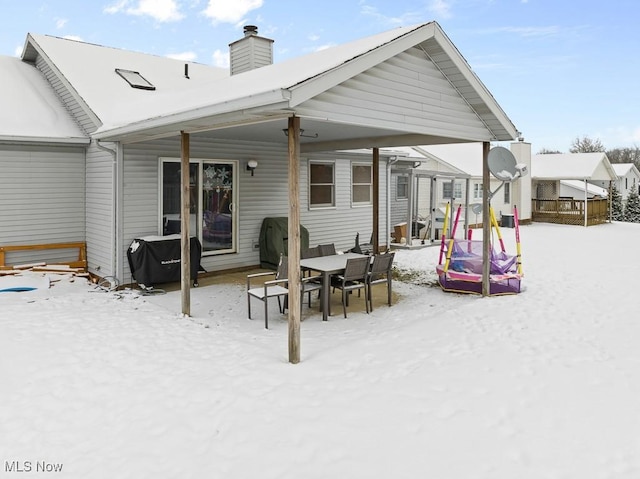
x,y
559,69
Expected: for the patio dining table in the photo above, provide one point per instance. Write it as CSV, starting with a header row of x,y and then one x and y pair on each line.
x,y
328,265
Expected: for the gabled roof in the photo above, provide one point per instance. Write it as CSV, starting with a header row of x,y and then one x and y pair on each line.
x,y
572,166
88,71
30,110
622,169
212,99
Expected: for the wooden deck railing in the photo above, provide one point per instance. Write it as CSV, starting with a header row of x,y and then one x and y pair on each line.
x,y
570,211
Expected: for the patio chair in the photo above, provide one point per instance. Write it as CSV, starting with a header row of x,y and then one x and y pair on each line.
x,y
380,273
354,278
275,288
327,249
309,253
309,284
366,248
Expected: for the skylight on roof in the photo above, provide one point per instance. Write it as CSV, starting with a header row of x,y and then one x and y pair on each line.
x,y
135,79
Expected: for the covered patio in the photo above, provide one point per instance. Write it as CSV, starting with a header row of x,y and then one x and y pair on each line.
x,y
408,86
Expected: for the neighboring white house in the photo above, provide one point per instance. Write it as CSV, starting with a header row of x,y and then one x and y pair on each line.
x,y
628,179
548,169
467,158
91,138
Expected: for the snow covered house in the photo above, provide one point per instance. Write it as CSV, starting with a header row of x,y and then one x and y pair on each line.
x,y
92,138
453,174
628,179
557,198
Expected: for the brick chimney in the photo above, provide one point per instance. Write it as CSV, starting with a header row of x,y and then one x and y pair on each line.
x,y
250,52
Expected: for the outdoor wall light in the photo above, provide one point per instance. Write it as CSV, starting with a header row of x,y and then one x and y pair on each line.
x,y
251,166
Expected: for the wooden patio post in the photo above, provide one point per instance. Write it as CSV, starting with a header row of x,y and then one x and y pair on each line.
x,y
294,239
486,220
185,198
376,200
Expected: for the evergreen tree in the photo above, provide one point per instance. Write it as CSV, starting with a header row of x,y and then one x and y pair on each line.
x,y
632,208
617,208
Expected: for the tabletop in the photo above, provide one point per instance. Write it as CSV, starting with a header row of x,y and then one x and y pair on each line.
x,y
331,263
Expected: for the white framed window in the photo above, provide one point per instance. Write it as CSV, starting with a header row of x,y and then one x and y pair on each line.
x,y
402,187
321,184
477,191
361,184
507,193
448,188
213,195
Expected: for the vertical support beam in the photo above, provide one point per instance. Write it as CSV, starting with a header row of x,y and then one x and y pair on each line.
x,y
486,220
294,240
586,213
376,200
185,198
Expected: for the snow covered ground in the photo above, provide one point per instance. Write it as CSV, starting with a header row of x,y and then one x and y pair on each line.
x,y
544,384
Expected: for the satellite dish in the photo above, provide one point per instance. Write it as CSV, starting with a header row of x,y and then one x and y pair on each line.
x,y
476,208
502,164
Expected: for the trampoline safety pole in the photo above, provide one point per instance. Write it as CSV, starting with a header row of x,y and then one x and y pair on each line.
x,y
516,222
444,233
451,240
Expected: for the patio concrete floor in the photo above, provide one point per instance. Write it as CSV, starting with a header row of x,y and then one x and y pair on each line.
x,y
356,304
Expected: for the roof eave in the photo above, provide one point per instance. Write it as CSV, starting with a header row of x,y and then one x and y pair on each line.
x,y
239,111
44,140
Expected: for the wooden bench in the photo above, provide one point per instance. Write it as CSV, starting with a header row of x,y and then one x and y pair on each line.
x,y
81,246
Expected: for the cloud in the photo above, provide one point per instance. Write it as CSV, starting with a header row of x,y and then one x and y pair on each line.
x,y
184,56
160,10
61,22
74,37
221,58
440,8
406,18
225,11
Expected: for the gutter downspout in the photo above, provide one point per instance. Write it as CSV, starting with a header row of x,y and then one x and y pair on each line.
x,y
390,161
115,203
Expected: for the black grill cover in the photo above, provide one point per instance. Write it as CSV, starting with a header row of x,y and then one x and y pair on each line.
x,y
158,260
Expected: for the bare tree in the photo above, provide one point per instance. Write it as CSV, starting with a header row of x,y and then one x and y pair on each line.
x,y
547,151
586,145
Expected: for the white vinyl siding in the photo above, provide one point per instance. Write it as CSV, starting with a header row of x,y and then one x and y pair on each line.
x,y
42,197
405,90
266,194
100,210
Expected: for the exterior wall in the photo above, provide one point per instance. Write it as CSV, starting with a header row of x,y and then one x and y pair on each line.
x,y
42,197
404,87
265,194
100,201
625,184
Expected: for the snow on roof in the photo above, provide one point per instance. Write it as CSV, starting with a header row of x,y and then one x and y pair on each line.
x,y
30,109
466,157
91,70
591,189
622,169
572,166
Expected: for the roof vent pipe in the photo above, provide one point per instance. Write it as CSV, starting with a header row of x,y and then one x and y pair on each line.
x,y
250,30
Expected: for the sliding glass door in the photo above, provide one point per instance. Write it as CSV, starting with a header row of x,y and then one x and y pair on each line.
x,y
213,195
